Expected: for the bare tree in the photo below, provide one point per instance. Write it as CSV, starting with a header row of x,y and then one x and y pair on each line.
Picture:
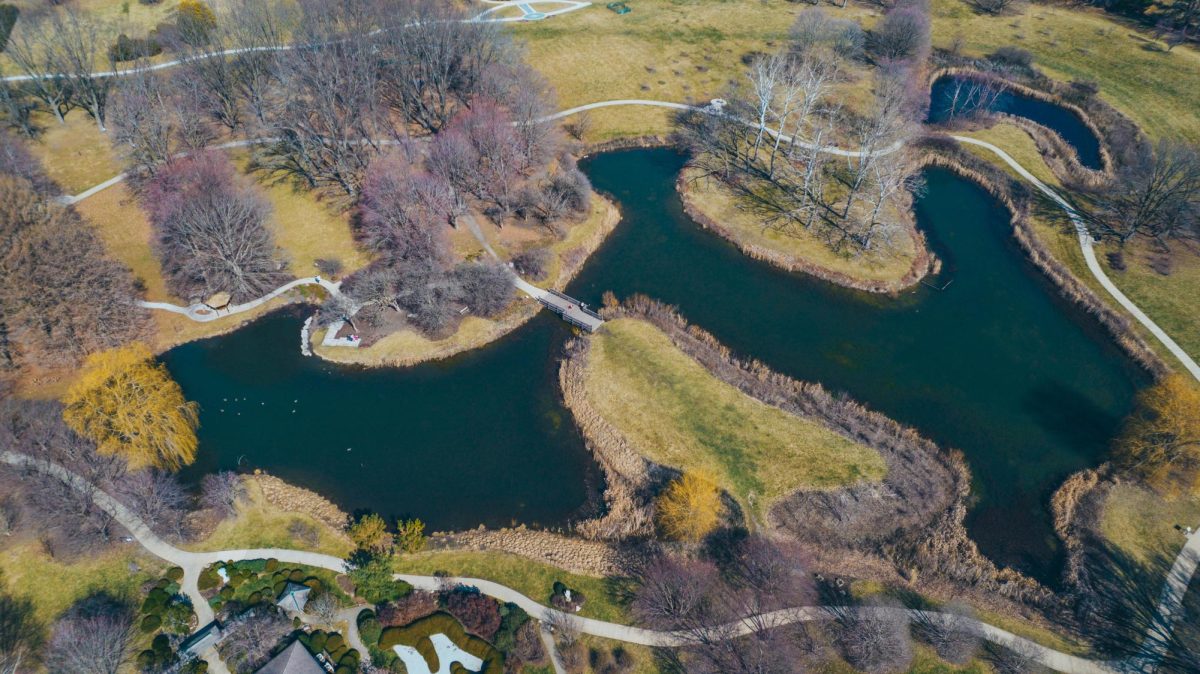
x,y
902,33
157,498
874,637
480,153
222,492
31,48
210,228
438,63
57,50
329,118
61,296
947,631
94,637
405,211
16,109
156,118
21,635
66,514
252,636
486,288
324,607
1157,196
970,97
258,28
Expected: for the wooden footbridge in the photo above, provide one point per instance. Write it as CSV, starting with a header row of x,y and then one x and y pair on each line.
x,y
572,310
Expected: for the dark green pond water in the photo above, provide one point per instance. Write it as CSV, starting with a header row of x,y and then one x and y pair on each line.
x,y
1054,117
995,365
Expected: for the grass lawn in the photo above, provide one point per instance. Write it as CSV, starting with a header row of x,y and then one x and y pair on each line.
x,y
533,579
805,247
675,412
1170,300
75,154
597,647
26,570
1156,89
1141,523
671,50
259,524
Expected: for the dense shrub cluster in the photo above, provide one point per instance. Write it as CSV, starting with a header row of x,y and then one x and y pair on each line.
x,y
479,613
133,48
408,609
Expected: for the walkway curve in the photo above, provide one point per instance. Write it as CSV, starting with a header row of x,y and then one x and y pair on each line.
x,y
167,65
193,562
202,313
1087,245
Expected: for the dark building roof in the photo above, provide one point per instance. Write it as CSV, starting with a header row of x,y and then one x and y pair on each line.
x,y
295,659
202,639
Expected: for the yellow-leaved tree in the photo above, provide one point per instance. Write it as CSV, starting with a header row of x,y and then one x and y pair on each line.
x,y
1161,439
370,532
690,507
128,404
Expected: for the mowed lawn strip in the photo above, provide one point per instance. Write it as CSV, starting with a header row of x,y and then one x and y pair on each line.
x,y
678,414
532,579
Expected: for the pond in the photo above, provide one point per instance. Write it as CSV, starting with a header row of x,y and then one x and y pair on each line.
x,y
1054,117
995,365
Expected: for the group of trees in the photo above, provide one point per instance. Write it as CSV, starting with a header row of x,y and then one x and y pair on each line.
x,y
61,295
776,166
210,229
1155,195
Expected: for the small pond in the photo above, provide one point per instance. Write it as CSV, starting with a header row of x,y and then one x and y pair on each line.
x,y
1054,117
996,365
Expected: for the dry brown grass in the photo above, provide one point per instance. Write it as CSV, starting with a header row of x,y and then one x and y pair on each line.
x,y
75,154
664,49
678,414
805,248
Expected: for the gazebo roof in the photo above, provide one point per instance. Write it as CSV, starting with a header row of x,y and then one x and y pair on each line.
x,y
219,300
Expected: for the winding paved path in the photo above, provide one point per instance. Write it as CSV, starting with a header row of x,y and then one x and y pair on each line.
x,y
1087,245
202,313
193,562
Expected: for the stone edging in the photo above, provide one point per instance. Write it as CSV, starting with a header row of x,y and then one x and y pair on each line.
x,y
924,262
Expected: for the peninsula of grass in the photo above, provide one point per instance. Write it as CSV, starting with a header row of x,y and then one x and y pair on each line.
x,y
899,266
678,414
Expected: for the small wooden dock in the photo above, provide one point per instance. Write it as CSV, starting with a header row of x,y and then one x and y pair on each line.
x,y
572,310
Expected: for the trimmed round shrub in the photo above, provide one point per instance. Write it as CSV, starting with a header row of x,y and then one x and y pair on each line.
x,y
271,566
254,597
317,640
315,584
297,576
334,642
227,592
162,583
209,579
147,661
369,629
151,622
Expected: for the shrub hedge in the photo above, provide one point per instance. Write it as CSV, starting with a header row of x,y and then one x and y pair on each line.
x,y
417,636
